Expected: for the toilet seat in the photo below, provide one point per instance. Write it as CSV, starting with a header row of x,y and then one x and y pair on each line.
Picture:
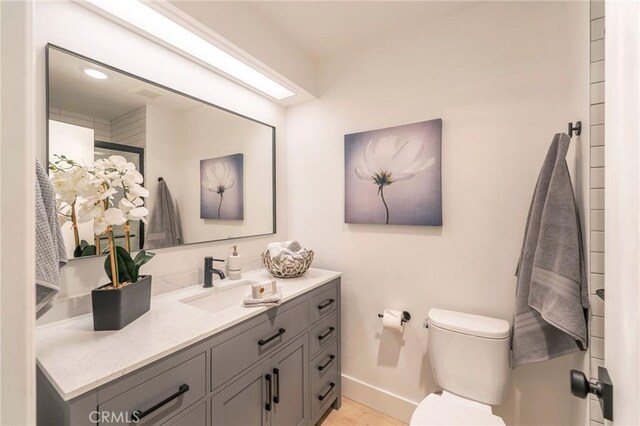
x,y
450,409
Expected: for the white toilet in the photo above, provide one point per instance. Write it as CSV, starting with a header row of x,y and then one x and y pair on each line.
x,y
470,362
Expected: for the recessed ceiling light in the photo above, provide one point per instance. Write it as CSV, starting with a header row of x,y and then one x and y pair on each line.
x,y
161,27
94,73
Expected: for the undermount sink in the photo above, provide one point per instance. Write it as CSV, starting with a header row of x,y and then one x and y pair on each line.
x,y
220,299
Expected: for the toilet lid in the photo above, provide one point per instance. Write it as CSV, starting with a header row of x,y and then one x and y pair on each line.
x,y
448,409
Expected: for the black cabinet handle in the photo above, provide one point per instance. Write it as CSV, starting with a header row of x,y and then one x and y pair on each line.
x,y
326,394
138,415
267,406
280,332
326,364
323,336
325,304
276,376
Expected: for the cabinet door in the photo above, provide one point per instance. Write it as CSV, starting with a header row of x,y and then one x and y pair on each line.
x,y
289,369
247,401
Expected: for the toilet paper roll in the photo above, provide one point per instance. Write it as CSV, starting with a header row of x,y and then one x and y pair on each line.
x,y
392,319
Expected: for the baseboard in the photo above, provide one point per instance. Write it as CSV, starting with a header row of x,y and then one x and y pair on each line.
x,y
380,400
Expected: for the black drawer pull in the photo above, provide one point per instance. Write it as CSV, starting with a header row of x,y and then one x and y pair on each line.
x,y
267,406
325,304
323,336
326,364
276,378
280,332
326,394
138,415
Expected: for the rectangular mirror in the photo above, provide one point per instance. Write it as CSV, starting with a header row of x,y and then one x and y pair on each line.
x,y
218,166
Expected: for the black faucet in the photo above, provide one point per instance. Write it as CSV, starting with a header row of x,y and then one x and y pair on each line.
x,y
209,270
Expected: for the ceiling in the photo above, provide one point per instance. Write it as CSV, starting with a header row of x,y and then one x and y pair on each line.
x,y
323,28
71,90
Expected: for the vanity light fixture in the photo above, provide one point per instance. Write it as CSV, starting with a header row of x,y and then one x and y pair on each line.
x,y
159,26
94,73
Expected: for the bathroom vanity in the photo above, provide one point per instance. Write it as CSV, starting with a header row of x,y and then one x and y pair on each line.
x,y
199,358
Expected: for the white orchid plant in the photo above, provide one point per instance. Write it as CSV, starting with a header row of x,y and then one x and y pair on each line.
x,y
218,179
389,160
86,193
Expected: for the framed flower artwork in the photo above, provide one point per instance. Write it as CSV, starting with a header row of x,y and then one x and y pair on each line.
x,y
221,191
393,176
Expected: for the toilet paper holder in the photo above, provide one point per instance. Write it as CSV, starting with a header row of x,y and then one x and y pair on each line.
x,y
406,316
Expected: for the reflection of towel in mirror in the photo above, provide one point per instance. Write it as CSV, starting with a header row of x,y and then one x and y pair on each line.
x,y
50,250
291,249
163,228
551,296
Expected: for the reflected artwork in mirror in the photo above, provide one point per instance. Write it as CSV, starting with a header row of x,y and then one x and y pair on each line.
x,y
210,172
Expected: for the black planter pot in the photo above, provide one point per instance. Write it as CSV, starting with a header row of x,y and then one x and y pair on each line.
x,y
115,308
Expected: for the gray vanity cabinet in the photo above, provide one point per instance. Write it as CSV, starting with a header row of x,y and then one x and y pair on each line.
x,y
244,402
274,393
290,371
280,367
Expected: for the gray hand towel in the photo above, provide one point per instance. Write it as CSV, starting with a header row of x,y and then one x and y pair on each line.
x,y
164,229
551,297
50,250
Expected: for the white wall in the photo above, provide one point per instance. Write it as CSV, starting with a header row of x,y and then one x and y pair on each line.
x,y
622,204
73,27
504,77
17,230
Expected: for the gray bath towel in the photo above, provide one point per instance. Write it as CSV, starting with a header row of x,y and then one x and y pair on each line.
x,y
164,229
50,251
551,297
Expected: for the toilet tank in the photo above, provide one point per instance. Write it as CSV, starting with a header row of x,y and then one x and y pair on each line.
x,y
469,354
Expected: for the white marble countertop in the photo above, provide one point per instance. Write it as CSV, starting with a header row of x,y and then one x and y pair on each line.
x,y
76,359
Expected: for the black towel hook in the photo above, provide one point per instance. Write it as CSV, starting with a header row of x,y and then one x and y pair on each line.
x,y
577,128
160,179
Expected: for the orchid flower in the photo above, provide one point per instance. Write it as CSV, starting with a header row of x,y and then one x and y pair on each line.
x,y
218,179
90,190
389,160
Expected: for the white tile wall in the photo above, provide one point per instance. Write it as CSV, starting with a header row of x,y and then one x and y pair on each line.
x,y
597,177
597,114
597,305
597,135
597,156
597,263
597,50
597,220
597,29
597,349
597,199
597,92
597,282
597,185
101,127
597,9
130,128
597,72
597,241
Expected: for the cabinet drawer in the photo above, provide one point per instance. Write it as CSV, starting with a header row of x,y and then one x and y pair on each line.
x,y
236,354
323,304
322,398
194,417
323,333
164,387
324,365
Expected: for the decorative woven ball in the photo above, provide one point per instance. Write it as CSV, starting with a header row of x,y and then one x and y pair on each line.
x,y
286,267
